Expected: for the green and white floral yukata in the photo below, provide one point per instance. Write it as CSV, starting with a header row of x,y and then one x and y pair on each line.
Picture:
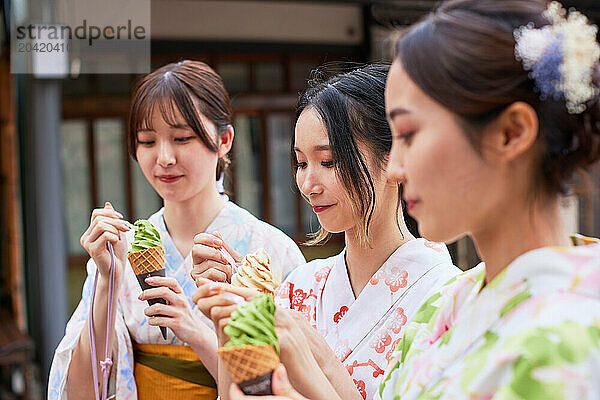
x,y
531,333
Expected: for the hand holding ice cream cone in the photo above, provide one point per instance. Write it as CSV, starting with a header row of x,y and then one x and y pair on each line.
x,y
282,389
252,353
209,258
217,300
106,225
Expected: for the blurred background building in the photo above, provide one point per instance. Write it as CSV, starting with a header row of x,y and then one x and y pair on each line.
x,y
63,149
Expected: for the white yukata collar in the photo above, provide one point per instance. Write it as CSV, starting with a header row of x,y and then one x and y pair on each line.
x,y
381,296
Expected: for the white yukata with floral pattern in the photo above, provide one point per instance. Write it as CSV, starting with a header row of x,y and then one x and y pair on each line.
x,y
238,227
363,331
531,333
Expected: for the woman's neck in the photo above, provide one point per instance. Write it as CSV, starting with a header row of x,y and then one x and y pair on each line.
x,y
185,219
517,229
364,260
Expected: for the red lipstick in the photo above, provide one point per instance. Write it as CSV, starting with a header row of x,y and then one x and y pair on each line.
x,y
169,178
320,209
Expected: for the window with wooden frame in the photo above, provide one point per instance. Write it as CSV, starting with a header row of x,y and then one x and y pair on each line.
x,y
97,168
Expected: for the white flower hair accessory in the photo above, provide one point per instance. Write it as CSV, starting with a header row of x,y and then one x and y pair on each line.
x,y
561,57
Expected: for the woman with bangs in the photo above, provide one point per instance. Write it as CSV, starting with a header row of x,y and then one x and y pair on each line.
x,y
353,306
180,131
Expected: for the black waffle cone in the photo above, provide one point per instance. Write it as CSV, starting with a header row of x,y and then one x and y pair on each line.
x,y
259,386
142,281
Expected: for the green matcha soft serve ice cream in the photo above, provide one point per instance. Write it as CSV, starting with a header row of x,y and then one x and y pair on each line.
x,y
253,323
145,237
252,353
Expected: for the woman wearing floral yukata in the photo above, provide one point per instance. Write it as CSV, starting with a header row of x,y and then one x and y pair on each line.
x,y
359,300
180,133
486,139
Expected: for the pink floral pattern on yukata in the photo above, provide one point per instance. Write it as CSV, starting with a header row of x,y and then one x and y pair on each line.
x,y
322,274
397,279
380,341
396,321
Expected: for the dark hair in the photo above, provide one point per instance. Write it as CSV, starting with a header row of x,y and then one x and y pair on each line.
x,y
352,108
189,86
463,56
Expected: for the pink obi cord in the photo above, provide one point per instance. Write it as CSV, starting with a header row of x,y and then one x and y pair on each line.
x,y
107,363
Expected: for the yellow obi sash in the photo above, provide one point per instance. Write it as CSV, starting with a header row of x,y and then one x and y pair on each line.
x,y
167,372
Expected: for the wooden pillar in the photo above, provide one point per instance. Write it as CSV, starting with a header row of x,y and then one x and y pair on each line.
x,y
9,184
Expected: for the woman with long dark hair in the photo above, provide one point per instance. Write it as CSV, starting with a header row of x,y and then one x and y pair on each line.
x,y
359,300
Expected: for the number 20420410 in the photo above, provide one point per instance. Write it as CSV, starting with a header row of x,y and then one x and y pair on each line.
x,y
43,47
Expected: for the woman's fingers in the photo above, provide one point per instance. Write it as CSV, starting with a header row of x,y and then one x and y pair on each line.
x,y
282,317
160,309
100,228
236,256
236,394
214,275
208,240
280,385
220,326
105,224
213,271
205,305
166,322
104,212
290,317
165,281
247,293
202,252
206,288
160,292
220,315
206,258
115,222
98,246
107,211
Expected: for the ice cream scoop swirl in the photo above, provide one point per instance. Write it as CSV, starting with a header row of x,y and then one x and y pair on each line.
x,y
146,236
253,323
255,272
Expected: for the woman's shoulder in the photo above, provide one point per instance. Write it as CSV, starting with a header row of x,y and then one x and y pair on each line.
x,y
252,228
553,312
442,302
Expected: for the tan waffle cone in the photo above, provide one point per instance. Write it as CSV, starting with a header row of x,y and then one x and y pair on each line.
x,y
147,260
248,362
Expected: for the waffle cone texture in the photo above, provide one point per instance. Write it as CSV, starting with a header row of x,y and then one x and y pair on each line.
x,y
148,260
250,361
